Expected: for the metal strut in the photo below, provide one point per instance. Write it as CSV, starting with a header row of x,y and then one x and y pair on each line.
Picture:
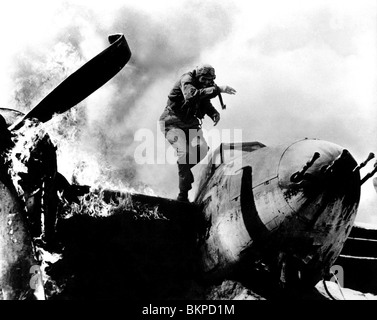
x,y
370,174
299,175
362,165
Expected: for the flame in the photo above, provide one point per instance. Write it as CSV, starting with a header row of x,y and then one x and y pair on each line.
x,y
28,155
82,163
30,163
46,258
96,204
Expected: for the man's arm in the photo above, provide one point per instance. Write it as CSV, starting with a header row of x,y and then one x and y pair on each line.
x,y
190,92
210,111
227,89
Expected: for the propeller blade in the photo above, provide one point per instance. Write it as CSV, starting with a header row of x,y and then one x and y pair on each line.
x,y
79,85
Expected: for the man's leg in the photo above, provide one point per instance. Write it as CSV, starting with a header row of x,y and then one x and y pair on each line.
x,y
198,147
185,181
177,138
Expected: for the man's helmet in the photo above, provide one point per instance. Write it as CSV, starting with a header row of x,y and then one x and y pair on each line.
x,y
205,70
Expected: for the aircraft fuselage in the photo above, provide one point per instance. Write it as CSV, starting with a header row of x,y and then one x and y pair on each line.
x,y
287,206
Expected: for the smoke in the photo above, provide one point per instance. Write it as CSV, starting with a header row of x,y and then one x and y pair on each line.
x,y
305,69
301,69
97,139
137,96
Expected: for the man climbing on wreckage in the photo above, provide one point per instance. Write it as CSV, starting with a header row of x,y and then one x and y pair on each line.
x,y
181,121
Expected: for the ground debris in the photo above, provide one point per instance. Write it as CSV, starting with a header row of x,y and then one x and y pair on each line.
x,y
231,290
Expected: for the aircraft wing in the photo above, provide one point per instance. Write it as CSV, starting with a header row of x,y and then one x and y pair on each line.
x,y
166,208
140,250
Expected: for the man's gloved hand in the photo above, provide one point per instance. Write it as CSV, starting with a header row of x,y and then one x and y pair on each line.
x,y
227,89
216,118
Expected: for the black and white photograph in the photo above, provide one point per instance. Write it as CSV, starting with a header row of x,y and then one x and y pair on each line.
x,y
191,152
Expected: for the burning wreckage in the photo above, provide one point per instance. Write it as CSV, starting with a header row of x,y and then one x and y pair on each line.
x,y
284,212
54,238
31,187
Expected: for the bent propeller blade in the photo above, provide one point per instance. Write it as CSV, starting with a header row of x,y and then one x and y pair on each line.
x,y
83,82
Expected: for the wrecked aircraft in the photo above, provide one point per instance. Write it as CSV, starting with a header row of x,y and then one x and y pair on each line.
x,y
34,191
286,209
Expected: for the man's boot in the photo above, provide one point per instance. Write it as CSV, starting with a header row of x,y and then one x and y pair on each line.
x,y
185,180
183,196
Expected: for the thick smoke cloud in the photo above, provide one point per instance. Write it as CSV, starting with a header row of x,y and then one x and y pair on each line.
x,y
301,69
309,71
98,143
